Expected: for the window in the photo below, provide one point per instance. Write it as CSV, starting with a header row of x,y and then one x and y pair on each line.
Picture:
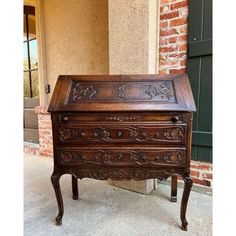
x,y
31,87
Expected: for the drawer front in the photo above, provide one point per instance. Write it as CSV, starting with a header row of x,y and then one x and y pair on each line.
x,y
121,117
130,134
150,157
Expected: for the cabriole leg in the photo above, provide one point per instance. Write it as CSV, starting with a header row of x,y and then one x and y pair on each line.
x,y
75,191
55,178
173,188
187,188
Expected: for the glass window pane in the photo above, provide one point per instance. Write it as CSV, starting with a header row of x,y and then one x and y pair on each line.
x,y
26,85
33,54
26,66
35,84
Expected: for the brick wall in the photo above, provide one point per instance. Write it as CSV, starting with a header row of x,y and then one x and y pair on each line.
x,y
45,132
173,55
173,36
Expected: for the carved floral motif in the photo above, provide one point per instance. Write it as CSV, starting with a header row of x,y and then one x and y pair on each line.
x,y
73,156
121,91
124,134
174,134
109,157
79,91
117,174
160,91
163,91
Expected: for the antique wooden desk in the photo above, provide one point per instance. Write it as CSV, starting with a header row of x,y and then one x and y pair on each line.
x,y
121,128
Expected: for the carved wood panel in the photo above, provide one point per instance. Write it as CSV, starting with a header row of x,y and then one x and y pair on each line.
x,y
88,91
127,157
122,134
122,174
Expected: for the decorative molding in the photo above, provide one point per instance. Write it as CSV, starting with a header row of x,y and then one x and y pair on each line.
x,y
123,157
121,92
172,134
163,91
88,91
79,92
121,174
121,118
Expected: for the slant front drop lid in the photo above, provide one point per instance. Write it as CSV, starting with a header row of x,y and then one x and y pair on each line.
x,y
122,93
122,128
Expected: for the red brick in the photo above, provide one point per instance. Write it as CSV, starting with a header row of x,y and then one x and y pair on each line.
x,y
177,71
173,56
163,41
163,72
207,175
41,110
31,150
168,32
195,173
45,132
183,47
166,1
194,166
168,63
164,8
183,29
177,22
202,182
178,5
45,153
180,55
203,167
172,40
45,127
164,24
45,122
169,15
168,49
178,38
182,37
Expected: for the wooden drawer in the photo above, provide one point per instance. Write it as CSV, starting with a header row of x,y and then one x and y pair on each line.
x,y
121,117
121,134
123,156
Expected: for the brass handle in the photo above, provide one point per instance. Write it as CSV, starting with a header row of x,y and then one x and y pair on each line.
x,y
65,118
175,119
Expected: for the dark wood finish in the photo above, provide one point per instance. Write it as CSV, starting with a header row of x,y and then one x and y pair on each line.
x,y
174,188
121,128
187,188
75,190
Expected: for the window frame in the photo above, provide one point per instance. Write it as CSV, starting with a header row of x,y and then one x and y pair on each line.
x,y
29,10
40,34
